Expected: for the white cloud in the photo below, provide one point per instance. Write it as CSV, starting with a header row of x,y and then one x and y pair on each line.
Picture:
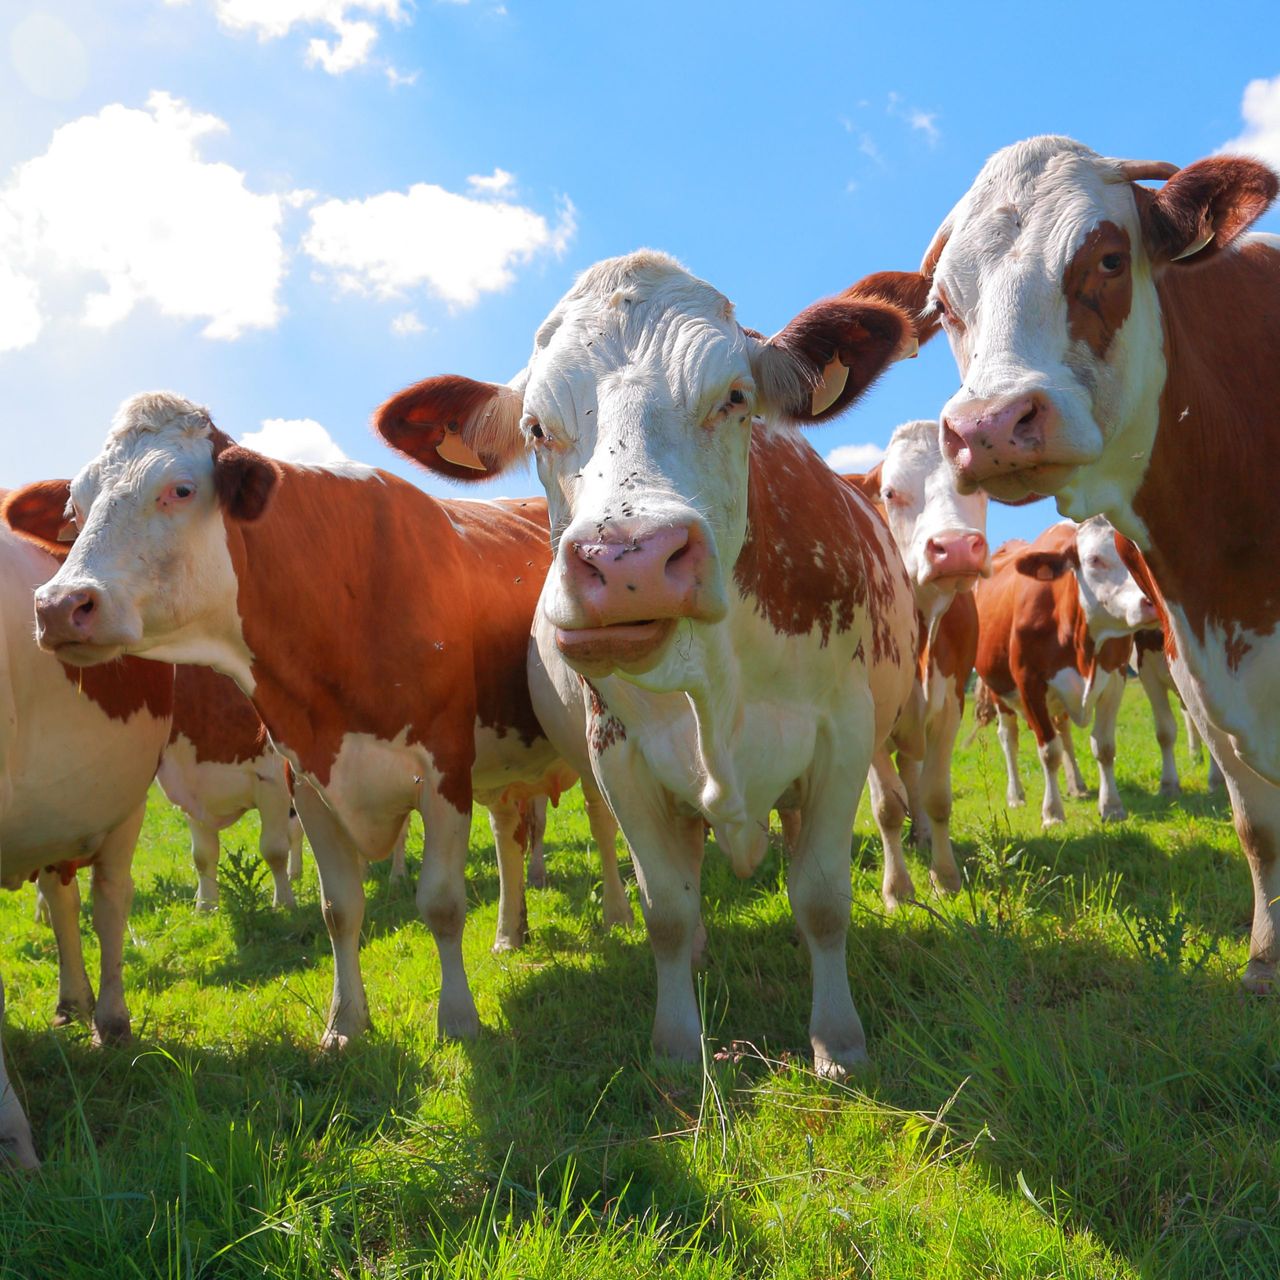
x,y
352,37
399,79
855,457
1260,109
121,210
926,122
406,323
452,245
301,440
496,183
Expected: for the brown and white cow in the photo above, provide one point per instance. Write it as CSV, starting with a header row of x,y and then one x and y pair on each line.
x,y
381,635
1055,626
219,763
942,537
731,619
1157,684
1120,350
78,750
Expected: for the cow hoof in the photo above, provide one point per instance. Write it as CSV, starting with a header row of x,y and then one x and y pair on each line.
x,y
458,1024
537,877
619,916
68,1012
1170,790
839,1064
1259,978
698,949
1052,820
333,1041
112,1031
17,1148
946,881
1015,802
206,904
1118,814
504,943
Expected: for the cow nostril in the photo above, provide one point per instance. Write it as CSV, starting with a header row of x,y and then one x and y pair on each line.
x,y
1029,416
82,612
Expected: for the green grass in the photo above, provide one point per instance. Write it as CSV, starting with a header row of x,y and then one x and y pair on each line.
x,y
1065,1081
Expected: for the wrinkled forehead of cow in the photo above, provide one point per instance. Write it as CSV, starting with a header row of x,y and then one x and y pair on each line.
x,y
913,447
643,309
147,429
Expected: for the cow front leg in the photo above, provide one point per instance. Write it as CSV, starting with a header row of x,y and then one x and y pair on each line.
x,y
1051,810
75,994
536,872
342,903
1007,730
1077,788
112,888
15,1132
1103,742
205,852
442,902
940,740
889,804
507,822
911,772
604,831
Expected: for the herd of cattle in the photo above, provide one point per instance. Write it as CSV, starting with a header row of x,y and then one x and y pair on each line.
x,y
718,625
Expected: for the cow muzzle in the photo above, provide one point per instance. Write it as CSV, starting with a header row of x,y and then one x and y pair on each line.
x,y
955,559
69,623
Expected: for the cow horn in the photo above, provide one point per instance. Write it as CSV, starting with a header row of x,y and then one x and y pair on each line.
x,y
1139,170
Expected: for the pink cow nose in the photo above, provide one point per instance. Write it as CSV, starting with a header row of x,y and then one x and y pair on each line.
x,y
985,437
630,576
1147,610
66,617
955,555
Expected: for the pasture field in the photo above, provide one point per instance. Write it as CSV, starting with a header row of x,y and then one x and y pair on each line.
x,y
1065,1082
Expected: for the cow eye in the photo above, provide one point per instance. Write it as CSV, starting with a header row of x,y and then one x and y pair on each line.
x,y
736,397
1112,264
183,490
536,431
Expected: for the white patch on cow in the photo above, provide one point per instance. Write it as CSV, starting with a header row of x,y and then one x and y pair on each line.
x,y
1068,693
1114,604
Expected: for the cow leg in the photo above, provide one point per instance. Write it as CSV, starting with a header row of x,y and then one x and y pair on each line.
x,y
604,831
1051,810
1007,729
1166,727
1103,742
442,902
275,837
342,903
909,771
295,844
1077,788
821,898
75,994
889,804
1195,744
536,874
1255,805
204,853
790,821
1215,774
15,1132
112,889
507,822
940,741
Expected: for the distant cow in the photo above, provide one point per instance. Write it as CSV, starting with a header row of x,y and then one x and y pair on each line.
x,y
382,636
1157,684
78,750
733,622
942,537
218,765
1055,625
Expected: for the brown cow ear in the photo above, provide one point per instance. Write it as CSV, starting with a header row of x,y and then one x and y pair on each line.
x,y
867,484
828,356
244,482
1204,207
1046,566
41,513
455,426
906,290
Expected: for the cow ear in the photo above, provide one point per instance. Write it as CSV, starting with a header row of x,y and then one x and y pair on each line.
x,y
906,290
1201,209
867,484
41,513
455,426
828,356
1046,566
244,482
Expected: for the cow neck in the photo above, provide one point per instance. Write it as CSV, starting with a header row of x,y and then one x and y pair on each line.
x,y
358,620
216,718
1208,497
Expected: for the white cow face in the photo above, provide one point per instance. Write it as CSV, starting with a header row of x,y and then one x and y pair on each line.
x,y
638,406
1044,280
149,570
940,532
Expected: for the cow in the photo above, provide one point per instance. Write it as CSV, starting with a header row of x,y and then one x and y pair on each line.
x,y
733,622
1157,684
78,750
942,537
381,635
219,763
1120,351
1055,626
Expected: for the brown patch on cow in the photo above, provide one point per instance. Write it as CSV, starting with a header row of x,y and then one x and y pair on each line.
x,y
605,728
795,505
1208,497
955,643
1236,647
1098,299
371,608
126,686
211,712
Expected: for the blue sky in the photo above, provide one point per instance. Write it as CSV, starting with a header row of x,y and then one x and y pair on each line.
x,y
288,209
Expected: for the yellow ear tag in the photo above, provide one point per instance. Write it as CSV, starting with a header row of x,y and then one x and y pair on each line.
x,y
827,392
453,448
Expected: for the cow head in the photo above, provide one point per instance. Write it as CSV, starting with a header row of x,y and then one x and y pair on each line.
x,y
940,532
148,568
638,406
1112,602
1044,279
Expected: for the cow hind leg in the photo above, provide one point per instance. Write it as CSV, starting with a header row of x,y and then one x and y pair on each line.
x,y
15,1132
936,795
112,898
1255,806
617,910
911,773
342,903
295,845
1077,788
275,839
536,872
889,804
205,852
507,822
1166,726
75,994
1103,741
1007,729
1051,810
